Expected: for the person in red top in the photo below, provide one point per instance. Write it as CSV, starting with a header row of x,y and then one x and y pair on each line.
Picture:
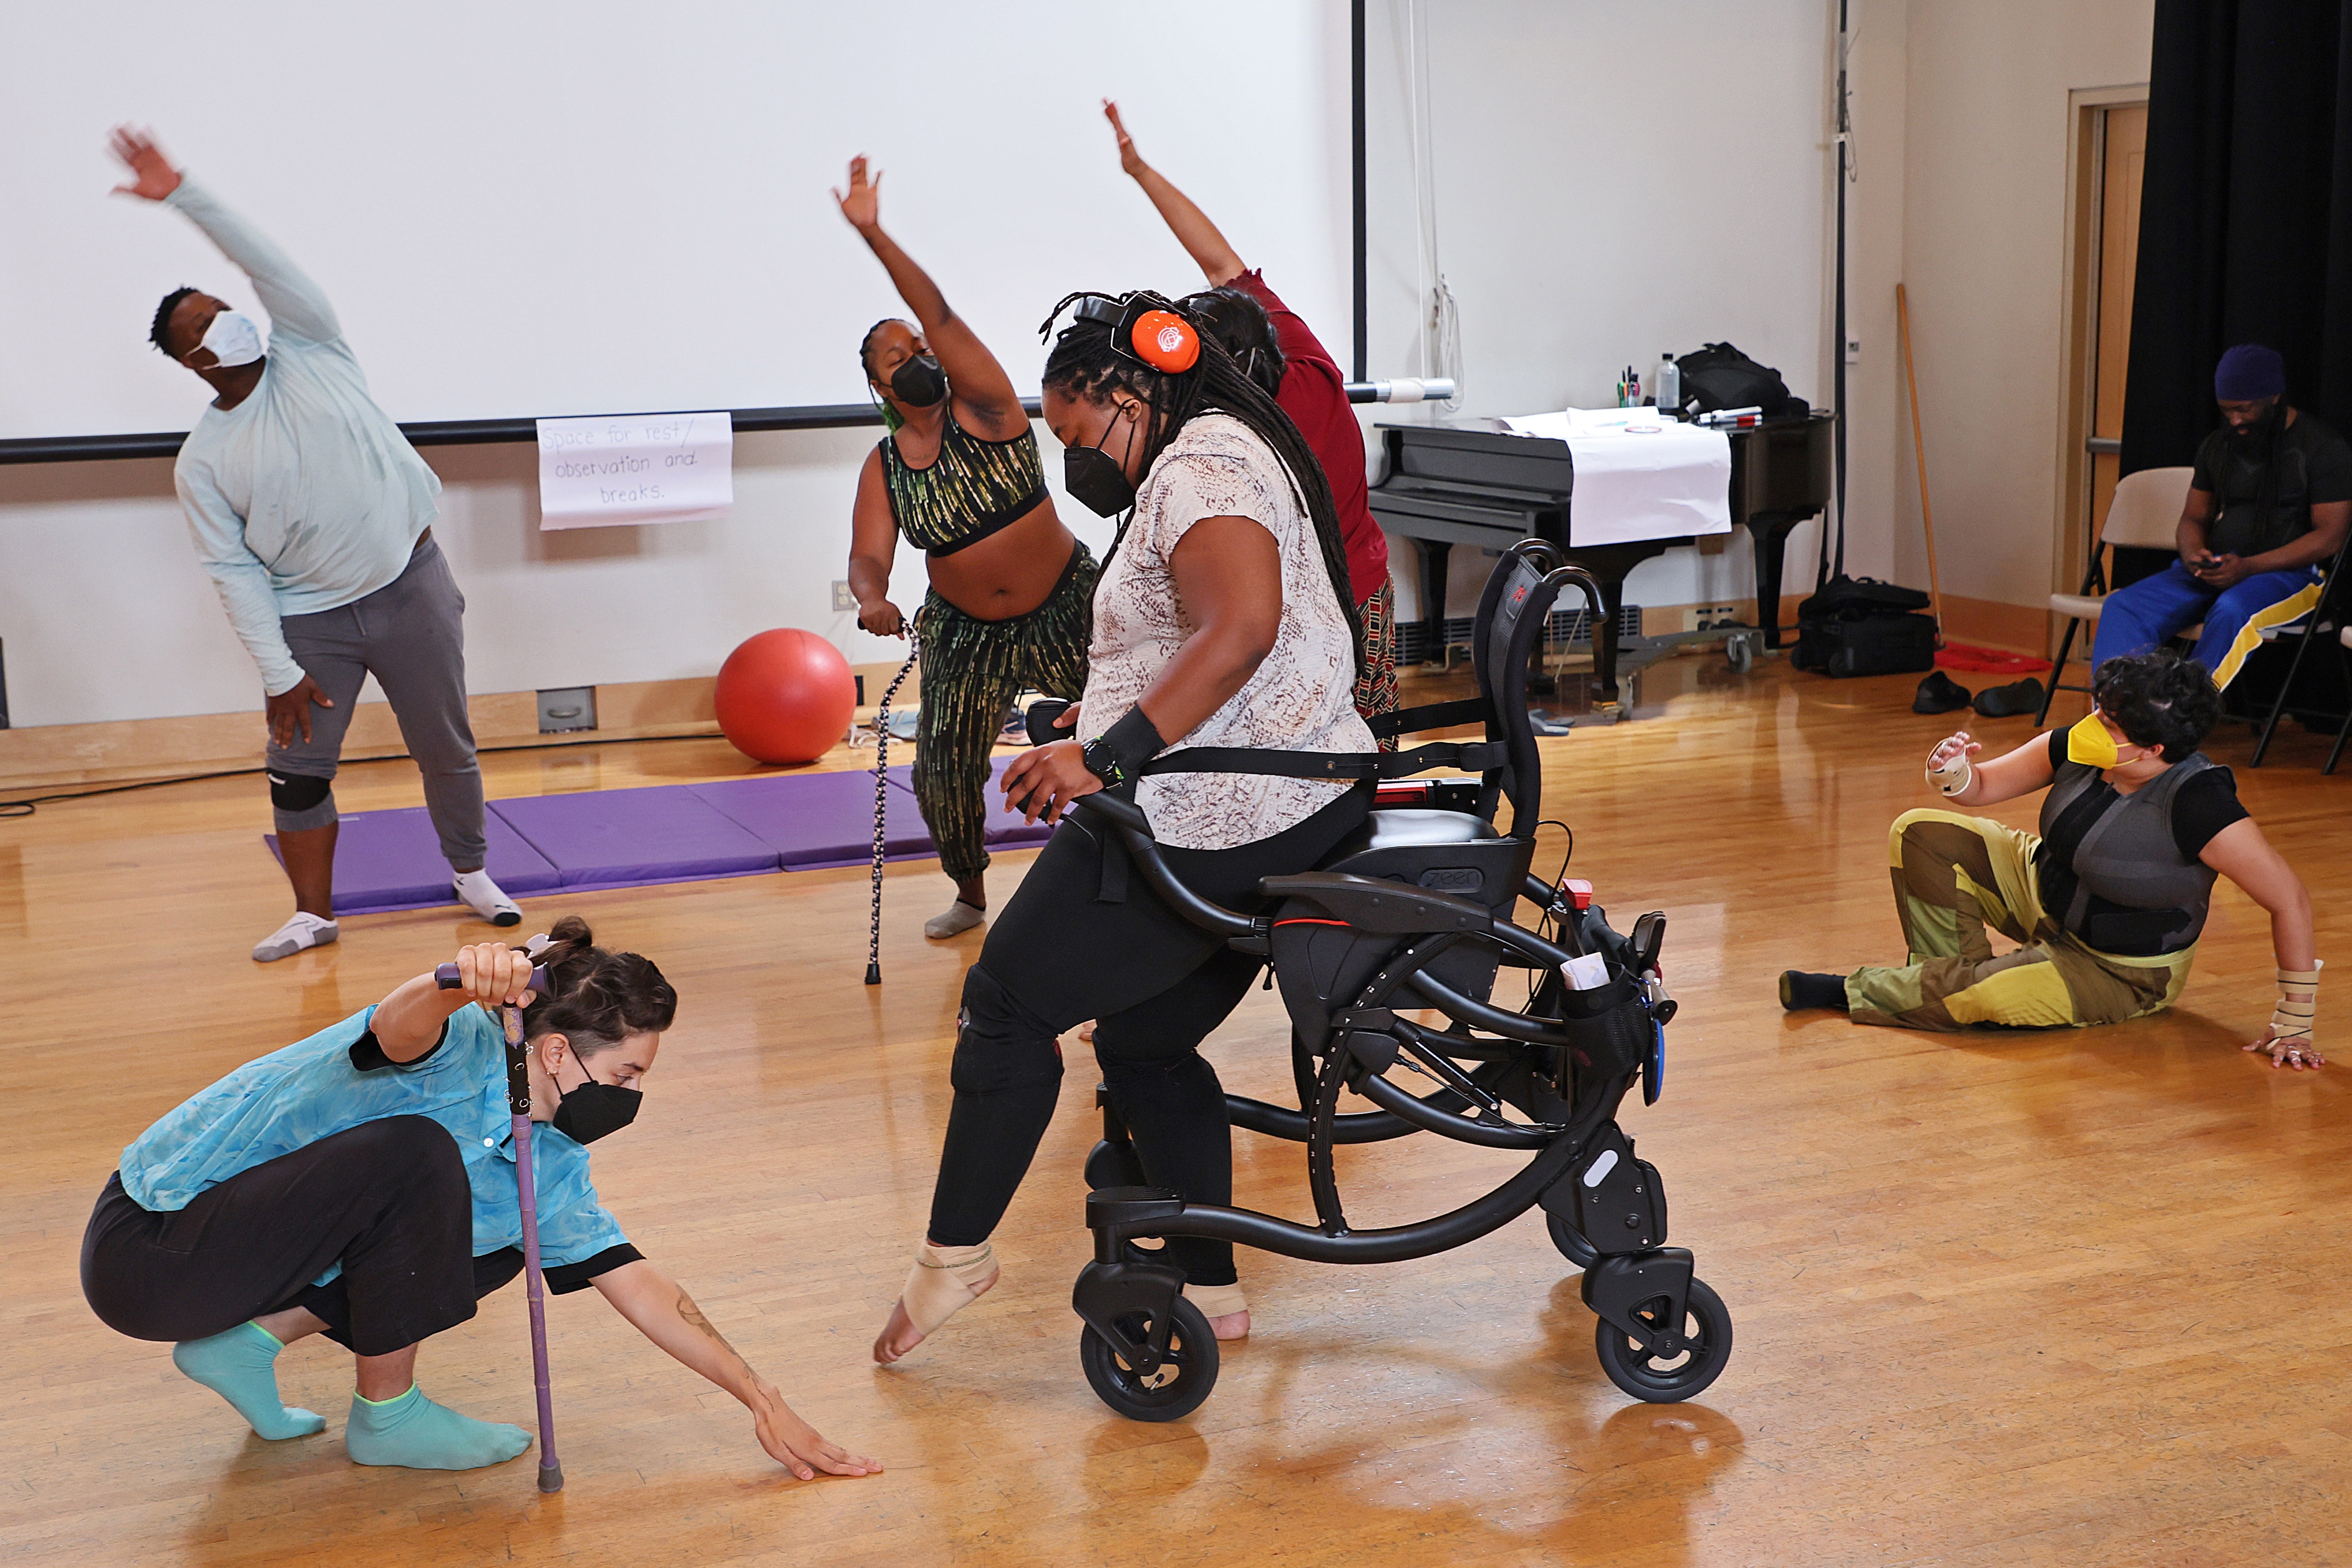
x,y
1280,353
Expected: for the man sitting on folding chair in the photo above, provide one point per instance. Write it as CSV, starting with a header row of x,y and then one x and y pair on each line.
x,y
2269,503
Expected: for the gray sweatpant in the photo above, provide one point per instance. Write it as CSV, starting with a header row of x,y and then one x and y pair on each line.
x,y
410,635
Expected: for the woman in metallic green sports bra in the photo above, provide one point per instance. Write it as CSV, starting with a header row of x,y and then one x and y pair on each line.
x,y
1011,596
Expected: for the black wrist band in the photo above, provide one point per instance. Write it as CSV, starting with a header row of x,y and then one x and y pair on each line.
x,y
1123,749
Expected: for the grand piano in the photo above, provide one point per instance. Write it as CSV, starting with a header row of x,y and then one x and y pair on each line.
x,y
1452,484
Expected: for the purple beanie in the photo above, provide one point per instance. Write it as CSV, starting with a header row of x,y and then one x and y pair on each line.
x,y
2248,373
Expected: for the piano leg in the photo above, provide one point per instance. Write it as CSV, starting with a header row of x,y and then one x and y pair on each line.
x,y
1433,553
1770,532
1604,639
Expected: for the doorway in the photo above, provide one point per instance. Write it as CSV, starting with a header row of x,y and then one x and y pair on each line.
x,y
2110,135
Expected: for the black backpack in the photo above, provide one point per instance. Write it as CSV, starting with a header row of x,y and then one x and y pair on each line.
x,y
1719,376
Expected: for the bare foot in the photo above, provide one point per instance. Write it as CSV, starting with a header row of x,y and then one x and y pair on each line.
x,y
900,1335
1231,1326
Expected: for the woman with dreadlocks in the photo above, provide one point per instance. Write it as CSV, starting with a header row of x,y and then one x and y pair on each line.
x,y
1223,619
957,474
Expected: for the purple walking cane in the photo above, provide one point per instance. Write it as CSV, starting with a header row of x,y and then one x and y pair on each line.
x,y
550,1469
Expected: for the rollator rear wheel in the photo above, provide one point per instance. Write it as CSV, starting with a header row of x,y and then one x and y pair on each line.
x,y
1571,1241
1707,1330
1176,1390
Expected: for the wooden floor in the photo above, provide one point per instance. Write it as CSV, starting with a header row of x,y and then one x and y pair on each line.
x,y
2005,1300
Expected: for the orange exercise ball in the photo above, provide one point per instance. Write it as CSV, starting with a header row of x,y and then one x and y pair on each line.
x,y
785,696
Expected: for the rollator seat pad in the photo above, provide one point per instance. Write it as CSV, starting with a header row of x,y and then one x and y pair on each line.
x,y
1403,827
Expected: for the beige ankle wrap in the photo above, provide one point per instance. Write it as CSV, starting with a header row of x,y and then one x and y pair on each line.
x,y
1217,1300
943,1282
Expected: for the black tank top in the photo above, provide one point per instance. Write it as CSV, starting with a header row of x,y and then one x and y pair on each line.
x,y
972,490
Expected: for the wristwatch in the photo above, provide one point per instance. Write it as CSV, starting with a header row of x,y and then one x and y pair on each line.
x,y
1103,763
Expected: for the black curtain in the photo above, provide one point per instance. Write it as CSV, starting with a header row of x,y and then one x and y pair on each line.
x,y
2245,231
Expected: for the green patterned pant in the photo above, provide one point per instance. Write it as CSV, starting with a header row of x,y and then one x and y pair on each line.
x,y
972,670
1956,875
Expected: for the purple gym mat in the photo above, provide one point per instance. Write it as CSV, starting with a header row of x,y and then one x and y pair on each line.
x,y
1000,829
392,860
817,820
629,838
637,837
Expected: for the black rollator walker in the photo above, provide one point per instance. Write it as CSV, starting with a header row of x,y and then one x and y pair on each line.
x,y
1415,912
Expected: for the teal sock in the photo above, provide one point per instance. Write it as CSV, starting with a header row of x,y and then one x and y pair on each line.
x,y
241,1366
413,1431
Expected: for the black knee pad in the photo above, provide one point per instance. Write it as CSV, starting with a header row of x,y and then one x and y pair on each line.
x,y
999,1044
298,791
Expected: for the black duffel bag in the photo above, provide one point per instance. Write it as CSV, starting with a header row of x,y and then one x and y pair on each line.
x,y
1860,625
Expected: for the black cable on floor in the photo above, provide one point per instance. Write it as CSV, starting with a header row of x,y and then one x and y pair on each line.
x,y
27,806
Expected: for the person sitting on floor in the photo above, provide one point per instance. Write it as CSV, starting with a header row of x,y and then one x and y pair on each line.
x,y
2107,901
2268,506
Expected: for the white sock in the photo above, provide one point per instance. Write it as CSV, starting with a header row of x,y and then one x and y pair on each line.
x,y
479,893
960,917
302,931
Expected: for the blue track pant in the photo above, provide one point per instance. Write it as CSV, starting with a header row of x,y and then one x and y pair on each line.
x,y
2156,609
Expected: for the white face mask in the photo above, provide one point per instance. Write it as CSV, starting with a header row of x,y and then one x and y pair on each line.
x,y
233,338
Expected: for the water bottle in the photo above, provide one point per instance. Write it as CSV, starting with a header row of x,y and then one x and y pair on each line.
x,y
1669,383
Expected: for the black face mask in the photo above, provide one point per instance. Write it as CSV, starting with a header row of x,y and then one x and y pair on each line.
x,y
1095,479
587,1112
919,382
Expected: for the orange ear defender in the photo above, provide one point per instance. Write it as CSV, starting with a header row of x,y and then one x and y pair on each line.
x,y
1165,340
1144,328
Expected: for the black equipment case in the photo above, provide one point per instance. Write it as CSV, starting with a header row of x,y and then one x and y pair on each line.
x,y
1860,625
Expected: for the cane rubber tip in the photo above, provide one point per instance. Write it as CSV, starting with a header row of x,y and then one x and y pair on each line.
x,y
551,1477
873,974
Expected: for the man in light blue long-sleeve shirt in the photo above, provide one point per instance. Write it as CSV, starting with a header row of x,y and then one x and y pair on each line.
x,y
314,517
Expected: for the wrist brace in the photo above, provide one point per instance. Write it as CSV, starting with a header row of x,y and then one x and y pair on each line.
x,y
1132,742
2298,1003
1953,778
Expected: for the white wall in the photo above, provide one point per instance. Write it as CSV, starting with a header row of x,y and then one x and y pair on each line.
x,y
1984,244
1613,180
1576,232
106,615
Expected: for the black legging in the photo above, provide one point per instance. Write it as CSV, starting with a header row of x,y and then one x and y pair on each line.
x,y
1076,943
389,1199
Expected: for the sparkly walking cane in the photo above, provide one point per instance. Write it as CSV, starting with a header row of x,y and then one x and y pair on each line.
x,y
881,805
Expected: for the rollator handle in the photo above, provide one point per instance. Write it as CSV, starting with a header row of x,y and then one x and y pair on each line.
x,y
446,978
1040,716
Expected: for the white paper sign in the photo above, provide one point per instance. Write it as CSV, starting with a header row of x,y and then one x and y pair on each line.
x,y
635,467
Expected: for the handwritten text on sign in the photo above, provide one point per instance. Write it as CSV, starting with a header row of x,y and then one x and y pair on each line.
x,y
635,467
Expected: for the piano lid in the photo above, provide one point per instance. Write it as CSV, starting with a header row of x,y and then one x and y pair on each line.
x,y
1475,454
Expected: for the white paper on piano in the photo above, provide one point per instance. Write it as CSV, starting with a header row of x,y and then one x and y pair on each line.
x,y
635,467
1639,476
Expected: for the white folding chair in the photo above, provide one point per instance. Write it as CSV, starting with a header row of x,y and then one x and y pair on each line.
x,y
2335,752
2145,514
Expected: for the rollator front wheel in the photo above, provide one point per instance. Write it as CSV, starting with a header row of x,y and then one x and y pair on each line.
x,y
1185,1376
1571,1241
1706,1346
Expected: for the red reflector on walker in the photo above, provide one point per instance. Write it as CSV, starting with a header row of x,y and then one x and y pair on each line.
x,y
1579,892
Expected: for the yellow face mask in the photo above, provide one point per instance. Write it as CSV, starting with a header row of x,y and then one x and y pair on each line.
x,y
2090,744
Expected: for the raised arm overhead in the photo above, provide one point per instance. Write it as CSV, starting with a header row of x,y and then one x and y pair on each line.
x,y
1199,236
984,394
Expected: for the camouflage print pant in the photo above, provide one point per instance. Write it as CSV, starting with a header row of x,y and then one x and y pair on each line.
x,y
1956,875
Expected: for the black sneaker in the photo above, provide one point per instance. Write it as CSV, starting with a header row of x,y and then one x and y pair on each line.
x,y
2007,702
1940,693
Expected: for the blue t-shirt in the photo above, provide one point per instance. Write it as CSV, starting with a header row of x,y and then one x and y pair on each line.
x,y
311,1089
